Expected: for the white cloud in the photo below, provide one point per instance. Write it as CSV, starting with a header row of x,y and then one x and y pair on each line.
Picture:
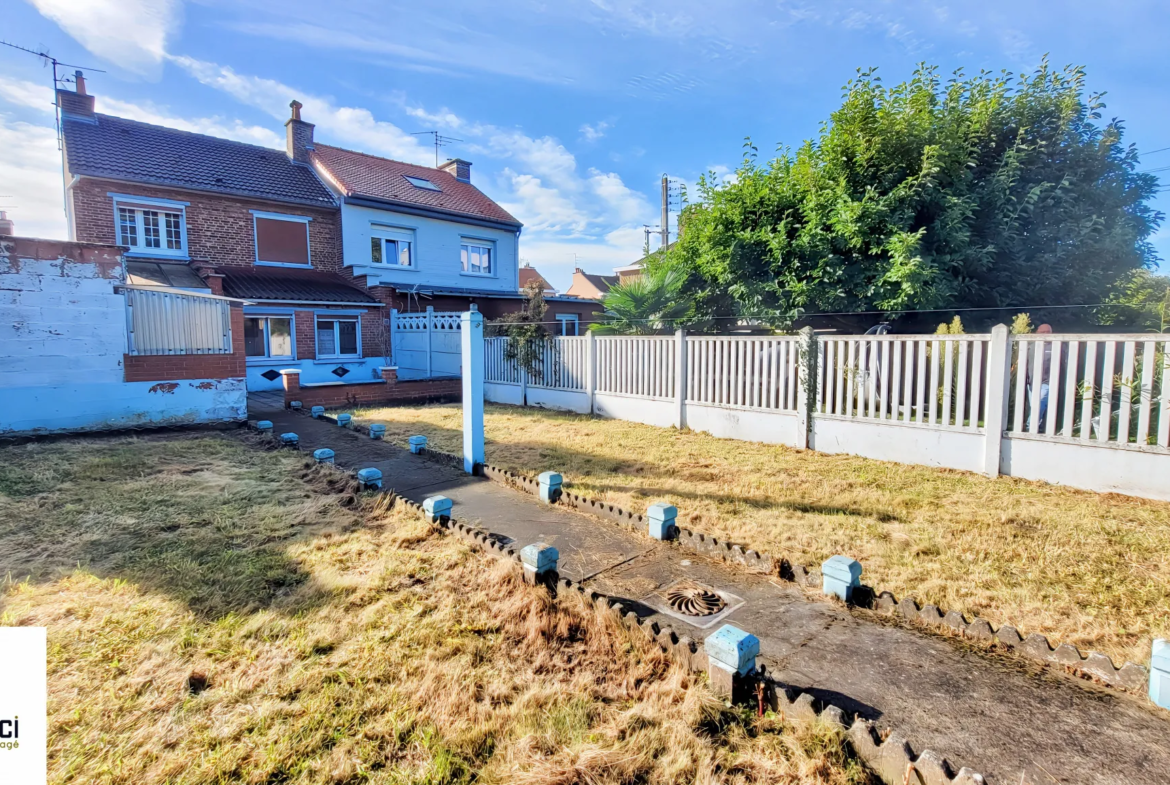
x,y
542,208
212,126
30,178
132,34
352,126
28,94
591,133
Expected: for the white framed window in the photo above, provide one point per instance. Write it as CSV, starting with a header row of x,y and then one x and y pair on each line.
x,y
569,323
150,227
268,337
338,336
281,240
391,246
476,257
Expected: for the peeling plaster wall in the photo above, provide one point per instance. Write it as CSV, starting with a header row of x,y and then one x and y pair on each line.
x,y
62,341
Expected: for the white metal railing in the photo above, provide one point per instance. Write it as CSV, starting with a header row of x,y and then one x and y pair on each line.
x,y
162,322
755,373
1111,389
935,380
643,366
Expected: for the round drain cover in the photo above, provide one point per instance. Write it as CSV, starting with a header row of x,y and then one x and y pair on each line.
x,y
694,600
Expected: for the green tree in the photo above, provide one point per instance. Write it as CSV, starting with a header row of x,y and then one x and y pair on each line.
x,y
653,303
988,191
1139,301
526,329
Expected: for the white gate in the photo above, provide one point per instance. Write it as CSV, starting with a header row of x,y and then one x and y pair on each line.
x,y
426,345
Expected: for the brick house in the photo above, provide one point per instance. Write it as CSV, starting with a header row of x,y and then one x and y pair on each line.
x,y
202,214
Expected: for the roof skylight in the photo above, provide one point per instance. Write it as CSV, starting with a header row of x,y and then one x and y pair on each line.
x,y
423,183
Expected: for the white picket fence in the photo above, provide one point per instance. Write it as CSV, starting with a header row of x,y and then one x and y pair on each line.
x,y
1090,411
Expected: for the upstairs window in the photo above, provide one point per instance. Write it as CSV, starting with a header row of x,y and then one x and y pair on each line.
x,y
386,250
338,337
281,240
477,258
151,230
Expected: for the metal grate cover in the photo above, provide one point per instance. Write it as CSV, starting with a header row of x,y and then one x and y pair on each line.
x,y
691,599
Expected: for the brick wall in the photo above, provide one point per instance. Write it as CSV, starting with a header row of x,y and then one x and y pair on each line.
x,y
390,391
163,367
219,228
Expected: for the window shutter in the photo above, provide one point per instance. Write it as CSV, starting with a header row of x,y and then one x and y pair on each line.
x,y
286,242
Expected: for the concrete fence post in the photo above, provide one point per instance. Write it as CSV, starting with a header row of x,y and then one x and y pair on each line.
x,y
680,379
999,372
806,392
731,660
472,329
429,333
391,356
591,368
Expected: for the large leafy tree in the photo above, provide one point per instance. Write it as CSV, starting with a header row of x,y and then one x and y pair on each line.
x,y
990,191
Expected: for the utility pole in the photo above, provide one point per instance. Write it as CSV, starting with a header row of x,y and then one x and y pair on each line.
x,y
665,211
646,244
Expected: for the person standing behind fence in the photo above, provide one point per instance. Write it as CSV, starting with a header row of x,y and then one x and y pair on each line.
x,y
1045,375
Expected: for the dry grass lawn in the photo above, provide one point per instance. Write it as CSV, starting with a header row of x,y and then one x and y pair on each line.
x,y
1080,567
218,614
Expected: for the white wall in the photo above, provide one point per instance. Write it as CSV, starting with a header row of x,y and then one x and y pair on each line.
x,y
62,341
1132,470
902,442
436,251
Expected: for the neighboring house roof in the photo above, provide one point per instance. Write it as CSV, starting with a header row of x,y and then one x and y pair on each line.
x,y
121,149
364,175
457,291
600,283
529,274
283,285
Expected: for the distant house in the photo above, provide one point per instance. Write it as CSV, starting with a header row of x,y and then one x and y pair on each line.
x,y
635,270
589,286
529,275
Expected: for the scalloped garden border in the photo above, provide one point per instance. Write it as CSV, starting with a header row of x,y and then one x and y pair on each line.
x,y
1131,677
889,755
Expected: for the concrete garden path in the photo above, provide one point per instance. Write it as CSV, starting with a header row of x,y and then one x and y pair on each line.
x,y
1001,717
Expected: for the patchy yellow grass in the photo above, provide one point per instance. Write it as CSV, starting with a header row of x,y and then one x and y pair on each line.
x,y
218,614
1085,568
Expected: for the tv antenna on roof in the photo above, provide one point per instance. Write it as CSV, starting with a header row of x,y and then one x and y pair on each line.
x,y
440,141
58,80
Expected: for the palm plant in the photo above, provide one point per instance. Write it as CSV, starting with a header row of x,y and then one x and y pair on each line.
x,y
651,304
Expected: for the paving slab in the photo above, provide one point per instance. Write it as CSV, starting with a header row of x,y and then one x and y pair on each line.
x,y
1008,719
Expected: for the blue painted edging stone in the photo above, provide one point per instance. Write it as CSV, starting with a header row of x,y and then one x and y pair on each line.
x,y
1160,673
264,426
417,444
343,420
291,439
550,486
323,455
662,518
436,506
317,411
539,557
370,478
377,430
733,649
841,575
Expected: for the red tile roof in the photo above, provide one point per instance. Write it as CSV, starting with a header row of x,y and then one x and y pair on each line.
x,y
360,174
529,274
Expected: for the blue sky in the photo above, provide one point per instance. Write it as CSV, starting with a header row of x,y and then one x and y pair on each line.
x,y
570,111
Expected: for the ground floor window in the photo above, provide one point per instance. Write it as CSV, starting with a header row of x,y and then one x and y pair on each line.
x,y
569,323
337,337
268,336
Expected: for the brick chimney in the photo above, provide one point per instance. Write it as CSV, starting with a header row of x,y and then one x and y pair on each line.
x,y
77,104
299,135
458,167
6,225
